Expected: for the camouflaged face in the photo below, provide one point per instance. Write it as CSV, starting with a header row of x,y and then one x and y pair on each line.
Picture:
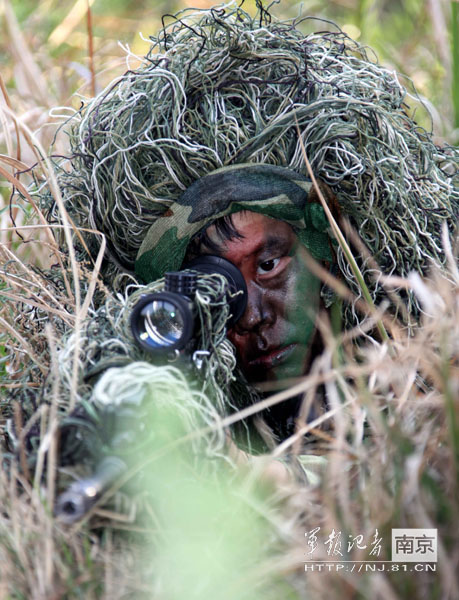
x,y
276,192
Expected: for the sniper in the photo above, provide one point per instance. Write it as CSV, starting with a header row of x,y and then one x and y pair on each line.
x,y
247,140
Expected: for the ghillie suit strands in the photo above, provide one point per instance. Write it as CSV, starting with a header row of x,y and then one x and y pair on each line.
x,y
219,91
220,88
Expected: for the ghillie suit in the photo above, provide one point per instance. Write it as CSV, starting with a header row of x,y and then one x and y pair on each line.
x,y
221,91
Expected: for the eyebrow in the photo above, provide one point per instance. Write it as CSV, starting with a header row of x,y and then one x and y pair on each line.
x,y
272,243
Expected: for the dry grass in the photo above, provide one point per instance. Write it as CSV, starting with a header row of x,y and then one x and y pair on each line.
x,y
392,454
392,450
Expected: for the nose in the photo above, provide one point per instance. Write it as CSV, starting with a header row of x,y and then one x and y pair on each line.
x,y
259,311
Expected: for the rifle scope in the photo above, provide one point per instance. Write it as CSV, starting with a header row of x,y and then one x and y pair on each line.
x,y
166,321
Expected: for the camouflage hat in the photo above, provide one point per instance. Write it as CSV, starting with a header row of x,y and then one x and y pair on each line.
x,y
273,191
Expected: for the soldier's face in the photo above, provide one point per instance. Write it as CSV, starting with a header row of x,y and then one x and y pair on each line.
x,y
273,337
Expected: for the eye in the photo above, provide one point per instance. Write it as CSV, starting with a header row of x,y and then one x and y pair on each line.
x,y
268,265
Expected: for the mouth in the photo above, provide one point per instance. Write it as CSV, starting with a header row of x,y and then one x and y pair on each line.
x,y
273,358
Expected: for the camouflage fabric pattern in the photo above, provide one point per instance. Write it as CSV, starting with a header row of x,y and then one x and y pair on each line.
x,y
276,192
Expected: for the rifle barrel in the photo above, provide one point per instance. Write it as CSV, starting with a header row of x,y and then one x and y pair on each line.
x,y
78,499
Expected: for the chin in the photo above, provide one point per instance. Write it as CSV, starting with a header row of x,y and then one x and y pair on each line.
x,y
296,367
282,378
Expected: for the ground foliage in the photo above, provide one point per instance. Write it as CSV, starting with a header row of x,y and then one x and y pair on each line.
x,y
392,452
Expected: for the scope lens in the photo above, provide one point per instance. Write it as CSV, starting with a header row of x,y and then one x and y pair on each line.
x,y
162,324
163,321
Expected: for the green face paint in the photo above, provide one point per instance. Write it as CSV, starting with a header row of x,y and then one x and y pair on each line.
x,y
273,338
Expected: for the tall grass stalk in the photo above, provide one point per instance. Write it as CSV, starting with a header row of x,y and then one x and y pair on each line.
x,y
455,56
342,242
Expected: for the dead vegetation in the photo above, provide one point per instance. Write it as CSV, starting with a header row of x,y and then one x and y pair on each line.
x,y
392,453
